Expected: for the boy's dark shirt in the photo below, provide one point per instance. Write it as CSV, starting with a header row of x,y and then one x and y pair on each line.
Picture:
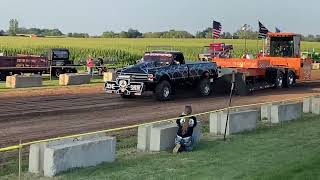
x,y
192,124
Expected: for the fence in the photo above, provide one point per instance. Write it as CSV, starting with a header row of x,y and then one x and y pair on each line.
x,y
77,66
18,153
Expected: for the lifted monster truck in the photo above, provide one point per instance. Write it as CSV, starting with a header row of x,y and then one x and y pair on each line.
x,y
162,72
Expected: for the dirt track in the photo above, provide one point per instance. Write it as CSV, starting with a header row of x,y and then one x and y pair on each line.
x,y
38,114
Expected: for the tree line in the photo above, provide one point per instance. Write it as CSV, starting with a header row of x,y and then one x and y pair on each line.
x,y
15,30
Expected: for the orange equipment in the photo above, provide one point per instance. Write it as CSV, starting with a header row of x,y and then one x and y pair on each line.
x,y
281,66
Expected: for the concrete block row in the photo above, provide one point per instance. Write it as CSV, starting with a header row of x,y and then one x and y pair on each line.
x,y
311,105
74,79
49,159
18,81
58,156
246,120
160,137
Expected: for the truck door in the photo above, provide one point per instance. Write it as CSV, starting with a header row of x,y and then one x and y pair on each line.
x,y
179,70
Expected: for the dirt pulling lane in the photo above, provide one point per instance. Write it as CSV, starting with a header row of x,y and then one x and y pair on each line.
x,y
108,111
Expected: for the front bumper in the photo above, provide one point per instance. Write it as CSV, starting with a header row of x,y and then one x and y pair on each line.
x,y
124,86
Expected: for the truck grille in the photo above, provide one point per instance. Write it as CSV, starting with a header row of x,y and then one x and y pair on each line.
x,y
137,77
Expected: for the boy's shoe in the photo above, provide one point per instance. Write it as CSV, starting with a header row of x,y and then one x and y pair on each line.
x,y
176,149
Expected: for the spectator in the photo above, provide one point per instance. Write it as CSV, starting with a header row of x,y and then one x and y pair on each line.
x,y
184,139
101,68
90,65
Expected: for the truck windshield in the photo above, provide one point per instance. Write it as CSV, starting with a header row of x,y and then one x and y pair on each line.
x,y
60,54
158,58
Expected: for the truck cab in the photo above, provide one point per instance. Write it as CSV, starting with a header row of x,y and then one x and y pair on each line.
x,y
60,57
283,45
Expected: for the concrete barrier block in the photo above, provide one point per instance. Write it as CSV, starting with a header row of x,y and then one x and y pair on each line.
x,y
109,76
74,79
215,122
239,121
307,105
18,81
9,81
34,159
242,121
144,134
36,151
286,112
78,154
162,136
315,105
315,66
265,112
62,79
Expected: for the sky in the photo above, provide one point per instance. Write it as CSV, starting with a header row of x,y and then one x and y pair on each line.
x,y
97,16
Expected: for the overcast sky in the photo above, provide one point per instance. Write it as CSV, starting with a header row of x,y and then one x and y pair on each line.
x,y
96,16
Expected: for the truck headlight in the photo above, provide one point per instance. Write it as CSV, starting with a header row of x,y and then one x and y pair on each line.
x,y
151,77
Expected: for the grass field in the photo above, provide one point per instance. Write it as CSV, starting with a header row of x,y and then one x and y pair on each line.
x,y
123,50
287,151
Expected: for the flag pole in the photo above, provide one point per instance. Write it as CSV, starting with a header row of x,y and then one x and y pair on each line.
x,y
245,44
212,33
263,47
257,45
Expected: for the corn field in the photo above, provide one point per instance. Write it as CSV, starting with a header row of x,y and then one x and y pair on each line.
x,y
123,51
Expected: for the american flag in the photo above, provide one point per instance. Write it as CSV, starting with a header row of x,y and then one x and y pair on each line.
x,y
216,29
263,31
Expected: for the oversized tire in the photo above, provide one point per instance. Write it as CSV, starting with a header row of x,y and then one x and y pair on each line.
x,y
241,88
204,87
279,80
163,91
57,72
74,70
3,76
290,79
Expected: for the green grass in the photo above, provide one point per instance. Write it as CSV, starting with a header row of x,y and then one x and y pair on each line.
x,y
287,151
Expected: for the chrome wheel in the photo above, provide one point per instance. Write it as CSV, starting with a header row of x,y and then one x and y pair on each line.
x,y
166,92
279,80
291,80
206,90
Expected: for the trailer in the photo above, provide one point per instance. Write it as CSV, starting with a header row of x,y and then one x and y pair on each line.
x,y
220,50
279,67
57,60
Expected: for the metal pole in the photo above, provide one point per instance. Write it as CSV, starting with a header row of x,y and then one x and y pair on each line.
x,y
245,44
257,46
20,147
229,104
50,73
263,47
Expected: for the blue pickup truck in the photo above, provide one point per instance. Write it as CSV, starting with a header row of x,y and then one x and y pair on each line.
x,y
163,72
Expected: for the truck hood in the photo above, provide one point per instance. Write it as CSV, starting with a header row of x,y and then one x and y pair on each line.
x,y
142,68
